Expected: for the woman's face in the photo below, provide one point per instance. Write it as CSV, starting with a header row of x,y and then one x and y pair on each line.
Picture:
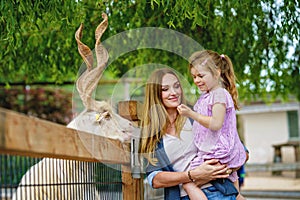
x,y
171,91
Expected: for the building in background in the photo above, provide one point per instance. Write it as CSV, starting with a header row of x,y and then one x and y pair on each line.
x,y
263,125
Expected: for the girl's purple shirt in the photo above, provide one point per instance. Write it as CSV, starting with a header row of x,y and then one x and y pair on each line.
x,y
223,144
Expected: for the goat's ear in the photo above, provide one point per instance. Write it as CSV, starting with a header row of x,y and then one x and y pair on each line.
x,y
84,50
107,115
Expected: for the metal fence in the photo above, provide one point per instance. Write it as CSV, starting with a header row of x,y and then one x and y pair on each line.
x,y
54,179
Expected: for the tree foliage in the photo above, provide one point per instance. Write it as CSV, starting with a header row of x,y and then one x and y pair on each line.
x,y
261,38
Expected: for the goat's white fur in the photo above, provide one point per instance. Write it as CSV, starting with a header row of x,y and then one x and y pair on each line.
x,y
51,179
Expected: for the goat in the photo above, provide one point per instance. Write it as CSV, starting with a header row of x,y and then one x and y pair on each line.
x,y
97,118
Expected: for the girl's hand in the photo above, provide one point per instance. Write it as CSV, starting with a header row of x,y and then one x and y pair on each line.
x,y
184,110
240,197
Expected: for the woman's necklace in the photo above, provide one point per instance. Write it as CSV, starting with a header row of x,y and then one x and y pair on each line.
x,y
171,129
171,126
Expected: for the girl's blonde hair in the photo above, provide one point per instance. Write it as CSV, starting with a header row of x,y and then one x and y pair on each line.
x,y
214,62
155,117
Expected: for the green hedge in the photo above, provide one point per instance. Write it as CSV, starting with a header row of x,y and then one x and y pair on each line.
x,y
51,104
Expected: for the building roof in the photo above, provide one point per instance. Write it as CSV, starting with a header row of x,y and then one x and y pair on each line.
x,y
266,108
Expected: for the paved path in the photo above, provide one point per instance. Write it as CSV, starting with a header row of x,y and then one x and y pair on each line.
x,y
272,183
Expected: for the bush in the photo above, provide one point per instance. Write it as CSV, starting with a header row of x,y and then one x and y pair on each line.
x,y
46,103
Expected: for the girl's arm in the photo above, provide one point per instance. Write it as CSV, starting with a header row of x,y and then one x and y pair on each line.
x,y
204,173
213,122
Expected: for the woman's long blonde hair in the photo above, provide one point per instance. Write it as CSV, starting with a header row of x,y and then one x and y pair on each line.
x,y
155,117
214,61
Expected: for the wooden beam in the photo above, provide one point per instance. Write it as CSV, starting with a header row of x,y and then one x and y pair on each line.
x,y
133,189
30,136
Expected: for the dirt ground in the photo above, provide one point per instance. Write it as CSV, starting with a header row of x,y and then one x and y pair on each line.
x,y
266,181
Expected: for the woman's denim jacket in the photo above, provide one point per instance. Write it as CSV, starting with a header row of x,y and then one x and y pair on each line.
x,y
163,164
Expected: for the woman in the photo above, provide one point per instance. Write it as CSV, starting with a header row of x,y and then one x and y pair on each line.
x,y
167,140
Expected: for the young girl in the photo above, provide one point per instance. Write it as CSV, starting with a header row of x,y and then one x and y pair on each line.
x,y
215,132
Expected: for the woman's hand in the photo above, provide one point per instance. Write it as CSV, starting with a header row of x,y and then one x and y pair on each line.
x,y
209,170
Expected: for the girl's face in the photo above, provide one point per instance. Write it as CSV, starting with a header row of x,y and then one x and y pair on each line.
x,y
171,91
204,79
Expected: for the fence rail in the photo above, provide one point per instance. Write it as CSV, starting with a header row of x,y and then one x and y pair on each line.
x,y
270,167
24,135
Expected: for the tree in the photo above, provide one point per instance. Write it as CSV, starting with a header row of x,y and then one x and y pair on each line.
x,y
261,38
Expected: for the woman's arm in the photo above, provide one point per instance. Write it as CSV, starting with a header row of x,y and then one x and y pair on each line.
x,y
204,173
168,179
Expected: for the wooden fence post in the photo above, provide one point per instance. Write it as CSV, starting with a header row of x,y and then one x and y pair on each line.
x,y
133,188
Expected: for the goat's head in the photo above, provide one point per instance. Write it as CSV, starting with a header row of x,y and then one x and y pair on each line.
x,y
98,117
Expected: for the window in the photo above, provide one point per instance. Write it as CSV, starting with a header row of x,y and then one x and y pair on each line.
x,y
293,125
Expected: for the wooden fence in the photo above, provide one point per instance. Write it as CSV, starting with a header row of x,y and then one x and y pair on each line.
x,y
29,136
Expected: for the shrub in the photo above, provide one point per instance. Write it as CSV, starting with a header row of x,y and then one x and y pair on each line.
x,y
46,103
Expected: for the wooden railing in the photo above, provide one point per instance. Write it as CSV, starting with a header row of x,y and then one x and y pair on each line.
x,y
277,166
278,155
30,136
